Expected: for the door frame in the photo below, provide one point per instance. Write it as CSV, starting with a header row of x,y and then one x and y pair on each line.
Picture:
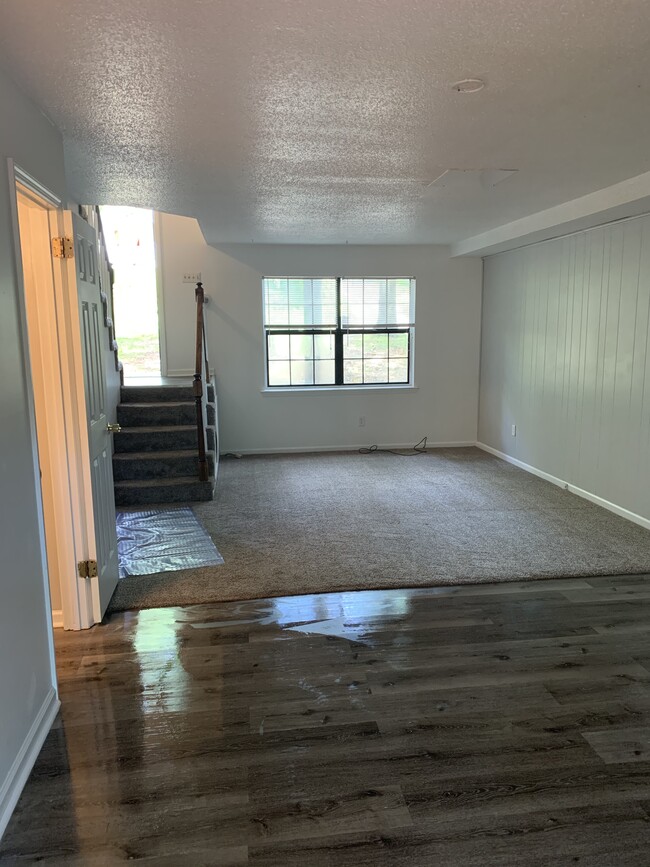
x,y
76,519
160,295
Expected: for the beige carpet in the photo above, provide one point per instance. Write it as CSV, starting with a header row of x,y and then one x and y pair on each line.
x,y
342,521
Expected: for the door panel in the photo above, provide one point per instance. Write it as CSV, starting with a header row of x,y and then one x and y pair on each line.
x,y
91,318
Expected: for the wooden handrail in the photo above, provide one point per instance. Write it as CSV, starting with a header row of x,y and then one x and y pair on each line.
x,y
201,382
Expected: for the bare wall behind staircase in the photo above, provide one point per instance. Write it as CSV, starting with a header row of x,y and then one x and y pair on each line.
x,y
447,337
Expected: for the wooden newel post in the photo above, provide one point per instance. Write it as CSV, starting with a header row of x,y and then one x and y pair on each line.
x,y
198,387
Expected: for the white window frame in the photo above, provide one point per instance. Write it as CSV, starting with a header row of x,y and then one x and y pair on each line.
x,y
339,331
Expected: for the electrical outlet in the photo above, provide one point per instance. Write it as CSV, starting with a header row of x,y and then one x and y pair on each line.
x,y
362,421
514,430
191,277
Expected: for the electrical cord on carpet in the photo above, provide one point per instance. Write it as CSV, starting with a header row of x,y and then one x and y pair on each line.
x,y
418,449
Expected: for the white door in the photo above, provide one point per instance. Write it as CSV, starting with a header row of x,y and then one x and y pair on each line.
x,y
91,318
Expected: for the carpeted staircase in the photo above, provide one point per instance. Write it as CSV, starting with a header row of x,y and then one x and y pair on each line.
x,y
156,454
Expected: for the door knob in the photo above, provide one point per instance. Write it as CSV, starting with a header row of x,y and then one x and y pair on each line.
x,y
113,428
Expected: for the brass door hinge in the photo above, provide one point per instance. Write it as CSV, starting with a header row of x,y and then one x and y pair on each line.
x,y
62,248
87,568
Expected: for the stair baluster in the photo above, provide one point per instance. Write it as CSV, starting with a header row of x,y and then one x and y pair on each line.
x,y
201,380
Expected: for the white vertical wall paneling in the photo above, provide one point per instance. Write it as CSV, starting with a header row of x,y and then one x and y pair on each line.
x,y
642,350
566,357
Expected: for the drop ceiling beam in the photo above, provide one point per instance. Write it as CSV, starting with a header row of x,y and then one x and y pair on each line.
x,y
628,198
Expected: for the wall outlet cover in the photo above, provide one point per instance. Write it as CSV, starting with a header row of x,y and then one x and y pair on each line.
x,y
191,277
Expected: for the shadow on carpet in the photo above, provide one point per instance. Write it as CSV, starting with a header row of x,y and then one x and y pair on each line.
x,y
301,524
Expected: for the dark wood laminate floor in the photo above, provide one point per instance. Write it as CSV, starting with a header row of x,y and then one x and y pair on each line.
x,y
502,724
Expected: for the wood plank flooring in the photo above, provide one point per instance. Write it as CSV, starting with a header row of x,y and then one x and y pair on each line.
x,y
501,724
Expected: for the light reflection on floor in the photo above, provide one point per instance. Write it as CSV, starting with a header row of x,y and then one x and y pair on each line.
x,y
157,632
324,614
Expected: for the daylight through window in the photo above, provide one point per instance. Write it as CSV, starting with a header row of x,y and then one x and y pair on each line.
x,y
338,331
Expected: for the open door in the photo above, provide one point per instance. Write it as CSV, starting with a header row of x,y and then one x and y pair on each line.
x,y
91,321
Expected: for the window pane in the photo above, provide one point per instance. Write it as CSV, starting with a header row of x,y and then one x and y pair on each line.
x,y
279,373
277,295
351,297
375,370
398,370
302,373
374,314
305,300
300,315
352,345
324,372
375,345
399,314
324,291
398,291
324,314
278,346
374,292
399,301
399,287
398,345
302,346
352,372
324,346
300,292
374,302
353,315
277,316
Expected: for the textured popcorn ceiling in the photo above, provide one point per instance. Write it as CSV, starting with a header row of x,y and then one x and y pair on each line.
x,y
325,120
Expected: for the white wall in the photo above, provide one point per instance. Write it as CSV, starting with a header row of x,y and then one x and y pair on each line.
x,y
565,356
25,634
447,337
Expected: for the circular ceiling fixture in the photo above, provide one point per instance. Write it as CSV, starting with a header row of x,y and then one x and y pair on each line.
x,y
468,85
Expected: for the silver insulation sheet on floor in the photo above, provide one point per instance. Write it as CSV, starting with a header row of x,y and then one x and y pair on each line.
x,y
162,540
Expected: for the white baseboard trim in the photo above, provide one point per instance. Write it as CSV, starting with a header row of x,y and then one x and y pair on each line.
x,y
529,469
180,372
184,373
580,492
20,770
613,507
306,449
57,618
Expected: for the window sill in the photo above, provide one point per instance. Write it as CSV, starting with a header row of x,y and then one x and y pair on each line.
x,y
340,389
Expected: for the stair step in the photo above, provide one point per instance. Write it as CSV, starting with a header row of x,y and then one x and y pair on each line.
x,y
164,413
159,438
158,464
147,414
160,393
183,489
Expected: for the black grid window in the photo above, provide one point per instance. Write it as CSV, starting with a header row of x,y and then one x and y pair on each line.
x,y
338,331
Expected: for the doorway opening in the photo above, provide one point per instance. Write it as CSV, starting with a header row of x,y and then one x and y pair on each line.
x,y
51,327
130,241
56,258
40,308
